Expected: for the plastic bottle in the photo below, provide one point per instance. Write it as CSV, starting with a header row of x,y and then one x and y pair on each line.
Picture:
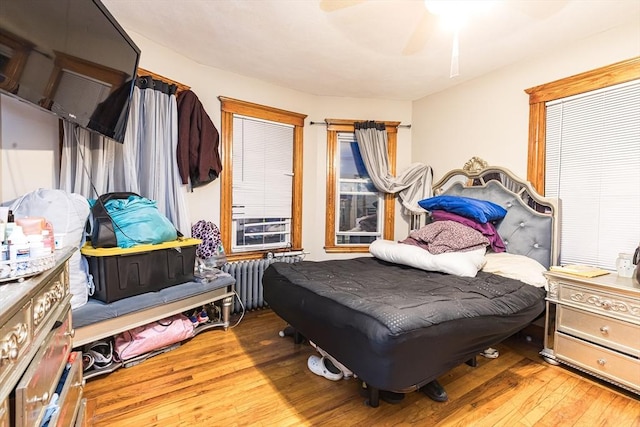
x,y
48,241
8,228
36,246
19,250
4,249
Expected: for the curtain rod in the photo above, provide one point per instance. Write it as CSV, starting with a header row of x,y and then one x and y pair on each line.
x,y
180,86
325,124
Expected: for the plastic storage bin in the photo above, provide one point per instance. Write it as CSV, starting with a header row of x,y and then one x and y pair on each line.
x,y
123,272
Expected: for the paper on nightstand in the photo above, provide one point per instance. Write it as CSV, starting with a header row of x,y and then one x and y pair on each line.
x,y
580,270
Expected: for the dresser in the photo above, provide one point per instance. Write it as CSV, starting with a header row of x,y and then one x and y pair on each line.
x,y
37,366
593,324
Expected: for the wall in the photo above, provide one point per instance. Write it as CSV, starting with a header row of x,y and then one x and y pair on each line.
x,y
209,83
27,159
489,116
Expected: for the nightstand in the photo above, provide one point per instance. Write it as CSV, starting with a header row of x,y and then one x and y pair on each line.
x,y
593,324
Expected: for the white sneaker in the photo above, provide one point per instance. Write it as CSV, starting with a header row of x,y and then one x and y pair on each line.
x,y
346,372
317,365
490,353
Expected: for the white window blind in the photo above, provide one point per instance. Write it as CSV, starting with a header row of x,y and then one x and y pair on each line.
x,y
262,184
593,167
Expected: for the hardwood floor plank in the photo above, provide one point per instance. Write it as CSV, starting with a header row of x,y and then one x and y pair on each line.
x,y
249,376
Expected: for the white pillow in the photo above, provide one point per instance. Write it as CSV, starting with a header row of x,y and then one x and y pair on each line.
x,y
464,264
518,267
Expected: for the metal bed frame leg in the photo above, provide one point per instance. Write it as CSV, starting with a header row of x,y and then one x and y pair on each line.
x,y
290,331
226,311
374,397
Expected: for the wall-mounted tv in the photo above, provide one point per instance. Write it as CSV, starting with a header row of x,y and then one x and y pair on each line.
x,y
69,57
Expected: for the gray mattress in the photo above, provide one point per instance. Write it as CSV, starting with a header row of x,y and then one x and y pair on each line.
x,y
96,311
394,326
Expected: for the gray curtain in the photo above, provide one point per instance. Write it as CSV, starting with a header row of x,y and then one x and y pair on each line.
x,y
145,163
412,185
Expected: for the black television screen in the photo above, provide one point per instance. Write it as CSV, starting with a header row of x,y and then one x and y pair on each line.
x,y
69,57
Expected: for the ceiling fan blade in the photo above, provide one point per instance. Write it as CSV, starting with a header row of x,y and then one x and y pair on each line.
x,y
538,9
420,35
332,5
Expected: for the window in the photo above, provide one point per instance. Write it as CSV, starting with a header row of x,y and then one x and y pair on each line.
x,y
584,148
357,213
261,183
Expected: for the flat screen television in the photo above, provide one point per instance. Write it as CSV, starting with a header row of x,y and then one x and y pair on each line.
x,y
71,58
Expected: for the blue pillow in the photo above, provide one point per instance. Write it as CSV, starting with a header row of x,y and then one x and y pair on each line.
x,y
482,211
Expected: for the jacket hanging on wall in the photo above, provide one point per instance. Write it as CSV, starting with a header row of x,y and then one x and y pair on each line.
x,y
198,139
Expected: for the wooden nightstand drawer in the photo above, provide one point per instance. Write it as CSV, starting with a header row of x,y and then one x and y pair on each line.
x,y
602,362
603,330
601,302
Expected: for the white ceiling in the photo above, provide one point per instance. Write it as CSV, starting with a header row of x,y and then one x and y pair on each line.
x,y
388,49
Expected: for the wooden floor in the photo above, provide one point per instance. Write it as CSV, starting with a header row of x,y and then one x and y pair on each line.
x,y
248,375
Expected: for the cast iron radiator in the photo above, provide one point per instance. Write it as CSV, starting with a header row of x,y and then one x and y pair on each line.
x,y
248,275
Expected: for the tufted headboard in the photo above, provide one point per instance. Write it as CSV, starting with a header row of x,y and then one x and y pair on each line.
x,y
531,226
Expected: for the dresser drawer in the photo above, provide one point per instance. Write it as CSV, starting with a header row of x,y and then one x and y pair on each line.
x,y
4,413
70,395
15,339
603,362
49,296
608,304
612,333
36,387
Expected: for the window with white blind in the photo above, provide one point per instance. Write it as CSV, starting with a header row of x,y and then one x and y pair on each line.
x,y
261,182
593,166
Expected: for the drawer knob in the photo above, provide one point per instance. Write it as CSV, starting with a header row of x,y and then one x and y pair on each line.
x,y
44,398
9,349
601,362
606,304
72,333
10,354
604,330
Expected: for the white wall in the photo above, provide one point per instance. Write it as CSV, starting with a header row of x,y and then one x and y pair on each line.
x,y
28,148
489,116
209,83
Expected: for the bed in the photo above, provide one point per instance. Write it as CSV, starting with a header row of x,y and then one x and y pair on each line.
x,y
398,327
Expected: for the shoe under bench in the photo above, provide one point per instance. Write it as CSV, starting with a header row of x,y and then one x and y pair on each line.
x,y
97,320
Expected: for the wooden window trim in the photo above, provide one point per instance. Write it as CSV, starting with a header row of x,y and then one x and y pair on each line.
x,y
610,75
13,70
229,107
340,125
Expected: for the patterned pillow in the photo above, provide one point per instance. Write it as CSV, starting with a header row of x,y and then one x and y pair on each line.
x,y
449,236
209,233
488,229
